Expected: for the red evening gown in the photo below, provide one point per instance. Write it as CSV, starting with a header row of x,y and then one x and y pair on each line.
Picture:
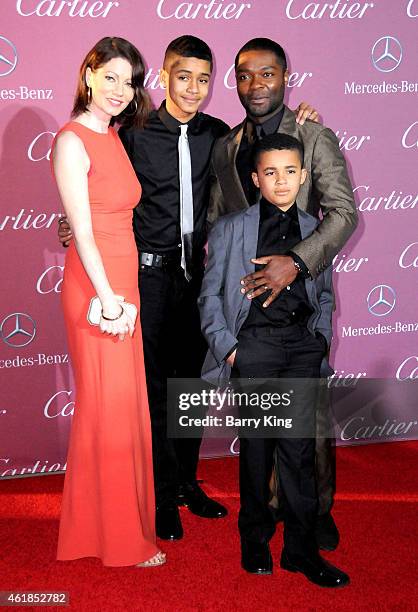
x,y
108,507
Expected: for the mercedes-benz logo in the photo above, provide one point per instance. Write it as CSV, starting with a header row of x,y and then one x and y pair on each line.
x,y
386,54
8,56
381,300
18,329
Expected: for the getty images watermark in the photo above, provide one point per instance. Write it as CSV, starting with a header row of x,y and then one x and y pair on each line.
x,y
230,398
351,408
266,408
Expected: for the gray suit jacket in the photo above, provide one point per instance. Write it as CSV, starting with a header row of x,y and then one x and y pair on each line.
x,y
327,188
223,308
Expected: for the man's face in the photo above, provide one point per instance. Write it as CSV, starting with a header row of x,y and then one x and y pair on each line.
x,y
261,82
186,80
279,177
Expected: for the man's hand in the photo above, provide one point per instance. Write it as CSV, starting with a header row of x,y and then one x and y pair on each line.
x,y
306,111
279,272
64,232
231,358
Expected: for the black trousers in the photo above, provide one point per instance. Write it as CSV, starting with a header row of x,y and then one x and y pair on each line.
x,y
290,352
325,461
173,348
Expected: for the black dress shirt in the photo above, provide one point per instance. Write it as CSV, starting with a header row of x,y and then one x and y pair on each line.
x,y
278,232
251,133
153,152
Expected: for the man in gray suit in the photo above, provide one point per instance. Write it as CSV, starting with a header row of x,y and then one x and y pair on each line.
x,y
289,340
262,75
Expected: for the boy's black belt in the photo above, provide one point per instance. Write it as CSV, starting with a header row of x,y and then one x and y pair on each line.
x,y
153,260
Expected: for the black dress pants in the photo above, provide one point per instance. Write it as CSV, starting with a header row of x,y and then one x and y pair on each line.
x,y
290,352
173,348
325,460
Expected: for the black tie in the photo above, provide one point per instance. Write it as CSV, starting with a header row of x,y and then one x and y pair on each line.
x,y
260,133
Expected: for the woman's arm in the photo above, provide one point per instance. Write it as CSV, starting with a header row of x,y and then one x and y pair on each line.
x,y
71,165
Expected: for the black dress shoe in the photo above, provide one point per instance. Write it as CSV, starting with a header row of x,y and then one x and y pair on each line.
x,y
256,557
316,569
192,496
167,522
326,532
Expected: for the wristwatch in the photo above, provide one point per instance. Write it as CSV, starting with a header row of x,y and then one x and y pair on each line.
x,y
297,266
300,265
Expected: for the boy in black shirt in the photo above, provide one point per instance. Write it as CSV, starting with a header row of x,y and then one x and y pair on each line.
x,y
287,340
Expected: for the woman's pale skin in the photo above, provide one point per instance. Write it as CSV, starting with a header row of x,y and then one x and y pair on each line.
x,y
111,92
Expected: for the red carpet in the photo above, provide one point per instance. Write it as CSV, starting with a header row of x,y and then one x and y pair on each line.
x,y
376,511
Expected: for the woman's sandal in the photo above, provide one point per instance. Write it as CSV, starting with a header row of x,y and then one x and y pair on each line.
x,y
155,561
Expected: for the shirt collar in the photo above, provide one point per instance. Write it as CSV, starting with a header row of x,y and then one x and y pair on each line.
x,y
269,127
267,210
172,124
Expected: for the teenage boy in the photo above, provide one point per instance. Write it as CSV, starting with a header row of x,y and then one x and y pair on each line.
x,y
173,343
289,339
262,75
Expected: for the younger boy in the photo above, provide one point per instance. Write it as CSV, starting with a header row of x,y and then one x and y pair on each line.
x,y
289,339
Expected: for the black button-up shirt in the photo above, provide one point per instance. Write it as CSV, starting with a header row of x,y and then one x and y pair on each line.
x,y
153,152
278,232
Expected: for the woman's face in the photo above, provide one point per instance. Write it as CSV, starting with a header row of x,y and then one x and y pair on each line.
x,y
111,88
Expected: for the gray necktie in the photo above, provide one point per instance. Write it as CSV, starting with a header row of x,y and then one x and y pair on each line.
x,y
186,200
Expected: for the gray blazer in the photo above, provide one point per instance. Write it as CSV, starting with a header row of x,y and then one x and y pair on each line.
x,y
327,188
223,308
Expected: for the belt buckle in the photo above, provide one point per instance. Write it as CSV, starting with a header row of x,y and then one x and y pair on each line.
x,y
147,259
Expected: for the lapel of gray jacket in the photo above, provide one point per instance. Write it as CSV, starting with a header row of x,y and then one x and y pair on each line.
x,y
288,123
232,147
251,221
307,224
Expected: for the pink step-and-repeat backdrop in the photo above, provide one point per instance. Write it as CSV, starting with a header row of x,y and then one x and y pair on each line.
x,y
354,61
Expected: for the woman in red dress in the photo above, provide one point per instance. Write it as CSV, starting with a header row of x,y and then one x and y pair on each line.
x,y
108,508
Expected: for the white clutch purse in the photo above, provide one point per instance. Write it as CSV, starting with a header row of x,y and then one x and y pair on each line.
x,y
95,310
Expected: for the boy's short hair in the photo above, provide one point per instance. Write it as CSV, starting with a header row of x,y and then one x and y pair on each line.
x,y
189,46
277,142
264,44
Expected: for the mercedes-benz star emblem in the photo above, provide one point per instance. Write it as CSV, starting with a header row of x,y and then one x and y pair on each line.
x,y
386,54
381,300
8,56
18,329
